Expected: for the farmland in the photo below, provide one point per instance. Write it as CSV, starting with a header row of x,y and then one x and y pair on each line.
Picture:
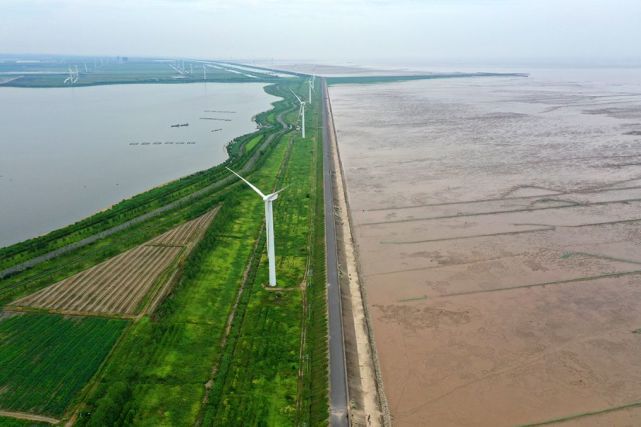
x,y
47,359
119,284
53,71
219,343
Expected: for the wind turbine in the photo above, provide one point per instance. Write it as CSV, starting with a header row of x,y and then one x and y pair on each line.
x,y
204,73
69,78
269,226
302,113
310,86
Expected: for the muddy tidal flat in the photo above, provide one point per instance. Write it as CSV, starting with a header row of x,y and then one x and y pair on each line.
x,y
498,225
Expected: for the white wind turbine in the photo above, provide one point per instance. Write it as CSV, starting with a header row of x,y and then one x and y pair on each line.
x,y
69,78
302,113
310,86
269,226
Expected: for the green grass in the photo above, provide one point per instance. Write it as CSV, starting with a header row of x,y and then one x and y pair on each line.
x,y
46,359
12,422
267,331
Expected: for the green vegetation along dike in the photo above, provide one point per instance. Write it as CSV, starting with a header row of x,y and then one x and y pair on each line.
x,y
89,71
220,349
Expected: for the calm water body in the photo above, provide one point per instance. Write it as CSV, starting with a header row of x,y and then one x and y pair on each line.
x,y
66,153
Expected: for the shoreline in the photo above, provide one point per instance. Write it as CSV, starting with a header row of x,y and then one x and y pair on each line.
x,y
228,147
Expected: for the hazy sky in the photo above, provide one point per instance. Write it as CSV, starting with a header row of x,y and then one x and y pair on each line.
x,y
330,30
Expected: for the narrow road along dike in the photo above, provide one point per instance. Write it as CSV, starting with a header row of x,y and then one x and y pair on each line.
x,y
338,394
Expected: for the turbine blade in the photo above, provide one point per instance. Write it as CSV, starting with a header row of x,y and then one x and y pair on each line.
x,y
253,187
281,190
275,193
299,100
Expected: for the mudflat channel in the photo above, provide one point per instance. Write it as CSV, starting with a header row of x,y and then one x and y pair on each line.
x,y
498,228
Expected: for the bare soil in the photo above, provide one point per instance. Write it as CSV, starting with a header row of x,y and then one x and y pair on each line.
x,y
498,228
118,285
29,417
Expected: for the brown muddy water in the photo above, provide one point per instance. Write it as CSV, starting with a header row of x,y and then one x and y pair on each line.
x,y
498,223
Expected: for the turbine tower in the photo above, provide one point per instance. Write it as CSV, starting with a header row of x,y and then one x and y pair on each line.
x,y
301,113
310,86
269,226
204,73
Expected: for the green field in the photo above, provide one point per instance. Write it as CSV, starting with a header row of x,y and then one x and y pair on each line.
x,y
220,349
47,359
52,72
273,335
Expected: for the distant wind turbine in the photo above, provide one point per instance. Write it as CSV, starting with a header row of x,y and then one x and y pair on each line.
x,y
72,78
310,86
301,113
69,78
204,73
269,226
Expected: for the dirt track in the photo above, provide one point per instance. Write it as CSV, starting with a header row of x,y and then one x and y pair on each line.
x,y
29,417
498,224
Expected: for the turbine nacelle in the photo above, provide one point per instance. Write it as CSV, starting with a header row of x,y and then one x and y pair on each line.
x,y
269,225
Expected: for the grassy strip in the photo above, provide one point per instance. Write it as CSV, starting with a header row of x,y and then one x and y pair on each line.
x,y
314,399
14,422
46,359
267,330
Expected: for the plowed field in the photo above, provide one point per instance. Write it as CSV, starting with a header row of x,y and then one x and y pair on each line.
x,y
118,285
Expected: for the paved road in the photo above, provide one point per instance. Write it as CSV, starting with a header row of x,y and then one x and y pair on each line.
x,y
338,395
180,202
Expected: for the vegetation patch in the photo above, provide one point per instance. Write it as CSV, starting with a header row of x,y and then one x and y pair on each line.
x,y
46,359
120,283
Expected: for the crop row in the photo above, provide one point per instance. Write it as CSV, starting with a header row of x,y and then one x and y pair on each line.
x,y
46,359
118,284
